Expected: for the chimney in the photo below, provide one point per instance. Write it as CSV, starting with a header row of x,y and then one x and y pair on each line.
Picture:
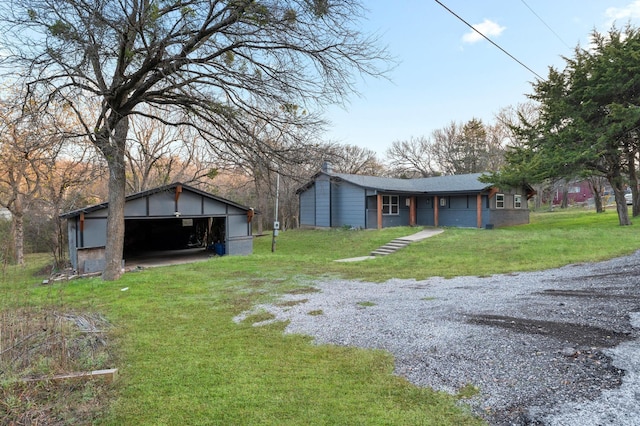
x,y
327,167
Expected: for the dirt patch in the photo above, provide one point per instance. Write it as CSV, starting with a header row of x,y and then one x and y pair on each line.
x,y
579,335
600,294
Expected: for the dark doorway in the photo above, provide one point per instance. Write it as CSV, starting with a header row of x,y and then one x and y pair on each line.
x,y
144,235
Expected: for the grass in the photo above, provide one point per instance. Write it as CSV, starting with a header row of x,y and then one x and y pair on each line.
x,y
182,360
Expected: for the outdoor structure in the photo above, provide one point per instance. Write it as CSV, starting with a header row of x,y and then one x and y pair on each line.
x,y
337,199
171,217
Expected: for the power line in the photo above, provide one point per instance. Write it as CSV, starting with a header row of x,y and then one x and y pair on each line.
x,y
545,24
489,40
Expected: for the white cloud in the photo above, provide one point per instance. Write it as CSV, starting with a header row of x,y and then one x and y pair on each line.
x,y
488,28
630,11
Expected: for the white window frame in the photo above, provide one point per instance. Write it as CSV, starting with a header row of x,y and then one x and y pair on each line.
x,y
499,201
389,204
517,201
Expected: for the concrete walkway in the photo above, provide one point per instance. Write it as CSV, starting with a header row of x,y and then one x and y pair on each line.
x,y
395,245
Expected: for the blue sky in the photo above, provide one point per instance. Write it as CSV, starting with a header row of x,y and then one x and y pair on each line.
x,y
446,73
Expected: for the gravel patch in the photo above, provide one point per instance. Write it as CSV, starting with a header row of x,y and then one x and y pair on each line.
x,y
555,347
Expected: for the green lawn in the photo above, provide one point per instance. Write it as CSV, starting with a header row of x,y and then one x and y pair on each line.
x,y
182,360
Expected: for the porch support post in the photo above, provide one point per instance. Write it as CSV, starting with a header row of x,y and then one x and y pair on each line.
x,y
412,211
379,211
81,242
479,208
436,206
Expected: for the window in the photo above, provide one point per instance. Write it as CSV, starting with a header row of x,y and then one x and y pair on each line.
x,y
517,201
499,201
390,204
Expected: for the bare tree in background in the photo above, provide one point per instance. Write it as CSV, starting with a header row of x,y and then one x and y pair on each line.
x,y
64,188
467,148
413,157
29,147
158,154
354,160
211,59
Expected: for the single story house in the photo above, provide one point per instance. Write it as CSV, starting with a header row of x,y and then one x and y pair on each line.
x,y
167,218
336,199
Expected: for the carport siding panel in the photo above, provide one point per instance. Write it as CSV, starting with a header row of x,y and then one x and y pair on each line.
x,y
73,234
237,226
308,207
161,203
348,205
239,246
189,204
137,208
213,207
95,232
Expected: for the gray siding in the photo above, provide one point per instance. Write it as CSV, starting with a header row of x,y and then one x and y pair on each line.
x,y
189,204
460,211
512,217
213,207
162,204
95,232
323,201
424,211
308,207
239,245
348,205
237,226
509,215
136,208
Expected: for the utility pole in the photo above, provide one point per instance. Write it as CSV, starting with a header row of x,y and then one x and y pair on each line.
x,y
276,224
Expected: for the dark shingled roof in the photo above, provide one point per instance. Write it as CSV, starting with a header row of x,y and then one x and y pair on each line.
x,y
432,185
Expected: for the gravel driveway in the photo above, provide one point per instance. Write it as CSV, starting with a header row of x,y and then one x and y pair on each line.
x,y
555,347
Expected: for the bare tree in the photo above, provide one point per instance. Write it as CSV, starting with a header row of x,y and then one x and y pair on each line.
x,y
29,146
415,156
354,160
210,58
446,143
158,154
468,148
64,187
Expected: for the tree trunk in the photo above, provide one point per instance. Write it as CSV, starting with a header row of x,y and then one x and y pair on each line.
x,y
18,236
621,204
117,193
595,183
565,198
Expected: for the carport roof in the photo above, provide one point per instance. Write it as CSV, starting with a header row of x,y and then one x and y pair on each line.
x,y
146,193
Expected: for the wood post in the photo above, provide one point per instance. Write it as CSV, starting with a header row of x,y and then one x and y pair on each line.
x,y
479,209
379,211
436,206
412,211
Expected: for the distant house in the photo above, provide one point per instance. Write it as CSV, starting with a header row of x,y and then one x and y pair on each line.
x,y
163,219
574,192
336,199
